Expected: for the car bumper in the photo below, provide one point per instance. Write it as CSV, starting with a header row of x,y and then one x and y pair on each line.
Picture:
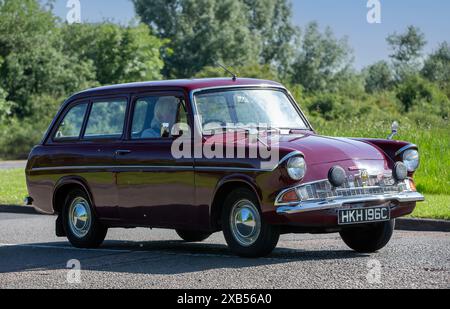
x,y
408,197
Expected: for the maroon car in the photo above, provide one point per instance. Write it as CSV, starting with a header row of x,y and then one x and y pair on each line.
x,y
202,156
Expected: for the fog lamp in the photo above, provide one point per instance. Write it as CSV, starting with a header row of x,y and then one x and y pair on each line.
x,y
400,171
337,176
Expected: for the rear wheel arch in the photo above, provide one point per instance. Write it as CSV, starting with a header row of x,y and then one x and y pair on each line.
x,y
223,190
64,187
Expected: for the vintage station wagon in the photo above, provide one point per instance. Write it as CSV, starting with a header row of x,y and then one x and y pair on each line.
x,y
110,159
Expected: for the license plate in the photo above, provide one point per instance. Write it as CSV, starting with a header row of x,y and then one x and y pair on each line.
x,y
364,215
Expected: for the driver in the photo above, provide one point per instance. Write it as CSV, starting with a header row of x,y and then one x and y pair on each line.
x,y
165,112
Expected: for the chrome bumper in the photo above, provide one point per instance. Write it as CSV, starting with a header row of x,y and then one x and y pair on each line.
x,y
309,206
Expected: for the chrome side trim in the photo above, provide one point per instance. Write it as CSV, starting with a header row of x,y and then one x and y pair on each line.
x,y
407,147
235,169
147,167
337,203
96,168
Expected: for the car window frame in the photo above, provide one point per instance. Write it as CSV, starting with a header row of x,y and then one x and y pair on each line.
x,y
63,116
193,99
103,99
133,100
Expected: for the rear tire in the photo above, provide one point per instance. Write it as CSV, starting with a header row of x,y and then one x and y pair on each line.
x,y
369,239
80,223
192,236
246,232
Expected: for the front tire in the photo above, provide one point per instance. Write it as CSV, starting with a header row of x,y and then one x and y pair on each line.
x,y
369,239
192,236
80,223
246,232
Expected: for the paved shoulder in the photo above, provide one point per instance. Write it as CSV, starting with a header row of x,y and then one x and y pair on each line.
x,y
5,165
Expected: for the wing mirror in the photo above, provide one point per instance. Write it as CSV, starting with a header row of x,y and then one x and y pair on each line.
x,y
165,130
395,127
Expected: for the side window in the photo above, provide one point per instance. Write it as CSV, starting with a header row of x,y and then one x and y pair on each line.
x,y
70,127
106,120
151,113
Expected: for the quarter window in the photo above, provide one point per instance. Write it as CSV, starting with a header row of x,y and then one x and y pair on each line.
x,y
106,120
70,127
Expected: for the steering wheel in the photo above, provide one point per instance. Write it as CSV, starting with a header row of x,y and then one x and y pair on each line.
x,y
214,124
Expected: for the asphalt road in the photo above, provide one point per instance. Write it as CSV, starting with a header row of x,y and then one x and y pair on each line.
x,y
32,257
5,165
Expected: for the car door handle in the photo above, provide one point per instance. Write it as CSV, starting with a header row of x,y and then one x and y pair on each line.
x,y
122,152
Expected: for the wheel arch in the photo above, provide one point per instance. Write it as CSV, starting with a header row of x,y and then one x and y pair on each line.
x,y
223,189
64,186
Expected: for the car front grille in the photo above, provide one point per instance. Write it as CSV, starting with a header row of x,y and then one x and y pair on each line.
x,y
355,186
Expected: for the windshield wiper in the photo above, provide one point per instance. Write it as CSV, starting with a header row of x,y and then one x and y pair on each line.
x,y
250,131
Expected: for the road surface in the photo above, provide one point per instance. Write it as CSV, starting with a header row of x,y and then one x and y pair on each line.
x,y
32,257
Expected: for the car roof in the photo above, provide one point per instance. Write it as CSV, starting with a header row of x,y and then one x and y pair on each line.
x,y
183,84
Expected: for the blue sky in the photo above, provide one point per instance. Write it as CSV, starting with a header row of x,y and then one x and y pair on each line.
x,y
345,17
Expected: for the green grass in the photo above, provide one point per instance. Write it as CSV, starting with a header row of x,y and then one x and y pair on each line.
x,y
12,187
435,207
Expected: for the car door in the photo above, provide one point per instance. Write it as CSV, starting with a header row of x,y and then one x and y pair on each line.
x,y
83,146
154,188
103,133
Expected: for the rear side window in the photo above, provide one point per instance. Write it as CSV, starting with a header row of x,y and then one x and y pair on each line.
x,y
70,127
106,120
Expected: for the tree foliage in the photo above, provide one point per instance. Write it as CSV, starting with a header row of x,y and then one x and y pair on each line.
x,y
379,77
407,50
321,60
118,54
437,66
234,32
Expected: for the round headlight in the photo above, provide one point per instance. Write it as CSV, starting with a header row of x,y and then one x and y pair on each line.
x,y
411,159
296,168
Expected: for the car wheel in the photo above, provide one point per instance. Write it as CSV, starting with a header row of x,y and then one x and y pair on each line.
x,y
369,239
80,223
192,236
245,231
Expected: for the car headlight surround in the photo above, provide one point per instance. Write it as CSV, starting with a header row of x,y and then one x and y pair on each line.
x,y
411,158
296,168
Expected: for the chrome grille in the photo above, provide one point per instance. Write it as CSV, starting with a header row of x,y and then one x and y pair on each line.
x,y
354,186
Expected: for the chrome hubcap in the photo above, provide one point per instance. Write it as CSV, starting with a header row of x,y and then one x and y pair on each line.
x,y
80,217
245,223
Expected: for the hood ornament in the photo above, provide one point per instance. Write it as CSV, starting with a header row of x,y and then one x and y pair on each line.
x,y
394,128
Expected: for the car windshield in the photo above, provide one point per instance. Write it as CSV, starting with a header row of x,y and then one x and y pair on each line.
x,y
250,107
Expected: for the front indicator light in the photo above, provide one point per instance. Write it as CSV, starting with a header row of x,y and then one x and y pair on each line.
x,y
289,197
412,186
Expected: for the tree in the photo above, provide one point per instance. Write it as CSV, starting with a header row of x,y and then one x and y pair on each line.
x,y
271,22
321,60
235,32
33,61
379,77
118,54
249,71
437,66
407,49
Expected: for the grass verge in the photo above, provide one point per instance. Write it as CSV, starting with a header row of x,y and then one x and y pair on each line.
x,y
12,187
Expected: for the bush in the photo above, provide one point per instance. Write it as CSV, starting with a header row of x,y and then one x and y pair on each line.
x,y
17,138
